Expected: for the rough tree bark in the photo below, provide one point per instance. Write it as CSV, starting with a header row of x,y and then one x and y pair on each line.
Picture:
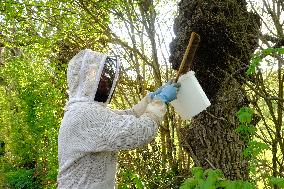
x,y
228,39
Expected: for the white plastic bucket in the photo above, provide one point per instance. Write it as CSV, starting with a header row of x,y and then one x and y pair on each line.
x,y
191,99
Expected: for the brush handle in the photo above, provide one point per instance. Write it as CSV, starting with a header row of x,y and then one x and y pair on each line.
x,y
188,56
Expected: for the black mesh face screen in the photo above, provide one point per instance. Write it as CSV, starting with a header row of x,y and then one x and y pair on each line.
x,y
106,80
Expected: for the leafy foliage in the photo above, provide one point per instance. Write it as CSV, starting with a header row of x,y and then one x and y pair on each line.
x,y
129,179
245,115
255,148
33,118
247,132
245,129
22,178
259,56
277,181
147,167
265,82
212,179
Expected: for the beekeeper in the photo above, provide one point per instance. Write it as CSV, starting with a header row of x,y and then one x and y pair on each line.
x,y
91,134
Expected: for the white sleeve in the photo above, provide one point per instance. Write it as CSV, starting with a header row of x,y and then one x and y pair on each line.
x,y
106,131
124,112
138,109
129,132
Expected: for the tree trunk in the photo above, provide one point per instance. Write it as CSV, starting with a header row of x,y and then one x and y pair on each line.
x,y
228,40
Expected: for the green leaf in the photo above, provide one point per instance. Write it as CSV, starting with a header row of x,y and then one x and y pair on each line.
x,y
223,183
280,50
245,115
231,185
189,183
138,183
277,181
246,130
248,185
255,62
268,51
254,148
197,172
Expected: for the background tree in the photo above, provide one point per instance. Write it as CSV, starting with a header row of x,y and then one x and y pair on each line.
x,y
228,41
223,57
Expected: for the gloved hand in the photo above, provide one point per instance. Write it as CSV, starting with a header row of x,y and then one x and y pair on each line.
x,y
140,108
153,94
159,90
168,93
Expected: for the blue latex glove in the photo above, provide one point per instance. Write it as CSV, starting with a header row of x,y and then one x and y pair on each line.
x,y
159,90
168,93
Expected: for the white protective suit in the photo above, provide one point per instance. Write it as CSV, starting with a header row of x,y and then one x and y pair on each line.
x,y
91,134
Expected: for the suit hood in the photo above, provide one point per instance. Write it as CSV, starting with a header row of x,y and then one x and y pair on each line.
x,y
84,73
